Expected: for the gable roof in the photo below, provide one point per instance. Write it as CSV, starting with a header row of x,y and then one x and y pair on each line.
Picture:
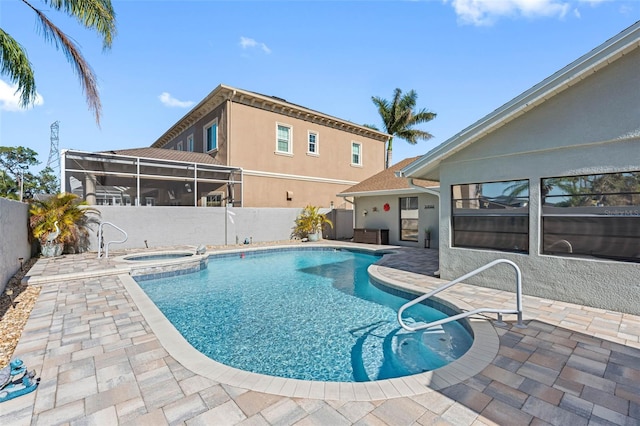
x,y
167,154
222,93
611,50
387,182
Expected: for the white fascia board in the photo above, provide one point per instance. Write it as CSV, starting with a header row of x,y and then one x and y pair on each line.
x,y
405,191
603,55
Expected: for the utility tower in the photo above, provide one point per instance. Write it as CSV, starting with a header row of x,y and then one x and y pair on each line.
x,y
54,151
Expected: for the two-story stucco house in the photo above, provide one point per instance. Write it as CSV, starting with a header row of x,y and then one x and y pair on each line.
x,y
290,156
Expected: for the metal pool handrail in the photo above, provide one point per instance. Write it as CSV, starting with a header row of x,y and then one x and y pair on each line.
x,y
106,253
517,311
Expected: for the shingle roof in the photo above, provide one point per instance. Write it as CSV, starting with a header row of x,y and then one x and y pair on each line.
x,y
167,154
386,180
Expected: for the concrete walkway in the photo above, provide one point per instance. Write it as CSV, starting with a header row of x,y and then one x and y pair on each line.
x,y
101,363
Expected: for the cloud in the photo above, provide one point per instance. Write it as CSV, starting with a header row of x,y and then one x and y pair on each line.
x,y
487,12
10,98
170,101
249,43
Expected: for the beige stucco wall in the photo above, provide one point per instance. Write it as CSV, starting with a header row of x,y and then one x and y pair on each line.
x,y
592,127
261,191
380,219
253,146
197,130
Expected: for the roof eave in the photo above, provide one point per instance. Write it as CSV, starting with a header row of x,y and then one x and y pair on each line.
x,y
611,50
222,93
400,191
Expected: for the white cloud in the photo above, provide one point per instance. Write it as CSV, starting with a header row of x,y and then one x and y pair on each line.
x,y
487,12
593,2
170,101
249,43
10,98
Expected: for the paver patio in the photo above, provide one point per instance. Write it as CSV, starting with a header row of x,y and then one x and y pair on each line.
x,y
101,363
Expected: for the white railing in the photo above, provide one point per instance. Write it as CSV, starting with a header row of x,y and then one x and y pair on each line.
x,y
518,311
100,241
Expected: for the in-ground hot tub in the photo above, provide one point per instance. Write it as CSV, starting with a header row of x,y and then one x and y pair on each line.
x,y
152,257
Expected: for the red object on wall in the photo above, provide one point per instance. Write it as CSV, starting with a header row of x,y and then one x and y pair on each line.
x,y
386,207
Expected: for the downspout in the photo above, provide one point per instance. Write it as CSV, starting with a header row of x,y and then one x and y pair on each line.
x,y
230,100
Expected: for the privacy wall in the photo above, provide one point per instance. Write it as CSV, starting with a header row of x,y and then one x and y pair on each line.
x,y
170,226
14,242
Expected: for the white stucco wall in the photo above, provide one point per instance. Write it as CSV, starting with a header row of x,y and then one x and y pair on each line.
x,y
380,219
14,238
167,226
592,127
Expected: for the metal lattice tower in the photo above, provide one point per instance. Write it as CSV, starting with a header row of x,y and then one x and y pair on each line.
x,y
54,152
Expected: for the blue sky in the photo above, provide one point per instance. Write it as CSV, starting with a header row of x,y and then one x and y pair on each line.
x,y
464,58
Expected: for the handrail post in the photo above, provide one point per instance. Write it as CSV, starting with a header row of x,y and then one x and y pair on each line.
x,y
106,253
419,299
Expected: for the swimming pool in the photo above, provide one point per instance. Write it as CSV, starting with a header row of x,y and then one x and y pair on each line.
x,y
305,314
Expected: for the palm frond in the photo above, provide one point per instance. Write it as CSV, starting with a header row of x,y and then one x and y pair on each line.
x,y
15,64
82,68
96,15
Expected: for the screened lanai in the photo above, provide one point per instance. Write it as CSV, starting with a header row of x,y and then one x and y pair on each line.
x,y
153,180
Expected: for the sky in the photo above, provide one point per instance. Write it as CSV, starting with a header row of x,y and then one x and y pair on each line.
x,y
464,59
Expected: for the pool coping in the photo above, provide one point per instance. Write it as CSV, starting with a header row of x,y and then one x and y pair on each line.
x,y
483,350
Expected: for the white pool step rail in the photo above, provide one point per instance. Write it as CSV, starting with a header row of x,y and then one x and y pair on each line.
x,y
500,312
100,241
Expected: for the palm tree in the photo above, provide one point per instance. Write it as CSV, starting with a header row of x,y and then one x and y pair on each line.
x,y
68,215
399,117
97,15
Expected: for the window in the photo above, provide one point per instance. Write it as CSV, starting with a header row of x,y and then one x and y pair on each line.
x,y
214,199
211,136
179,146
409,219
190,143
592,215
356,153
283,139
313,143
493,215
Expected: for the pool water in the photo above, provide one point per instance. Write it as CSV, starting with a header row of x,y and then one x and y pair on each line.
x,y
303,314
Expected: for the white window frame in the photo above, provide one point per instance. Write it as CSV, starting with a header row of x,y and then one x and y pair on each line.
x,y
359,163
290,142
205,145
315,153
180,146
190,144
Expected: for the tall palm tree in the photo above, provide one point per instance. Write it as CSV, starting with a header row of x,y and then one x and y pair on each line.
x,y
97,15
399,117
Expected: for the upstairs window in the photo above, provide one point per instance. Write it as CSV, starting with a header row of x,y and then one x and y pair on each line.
x,y
190,143
491,215
179,146
356,153
592,216
283,139
211,136
313,143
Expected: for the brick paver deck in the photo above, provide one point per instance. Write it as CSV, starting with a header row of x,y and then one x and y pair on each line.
x,y
101,363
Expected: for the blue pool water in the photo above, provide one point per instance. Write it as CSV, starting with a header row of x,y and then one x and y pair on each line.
x,y
303,314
